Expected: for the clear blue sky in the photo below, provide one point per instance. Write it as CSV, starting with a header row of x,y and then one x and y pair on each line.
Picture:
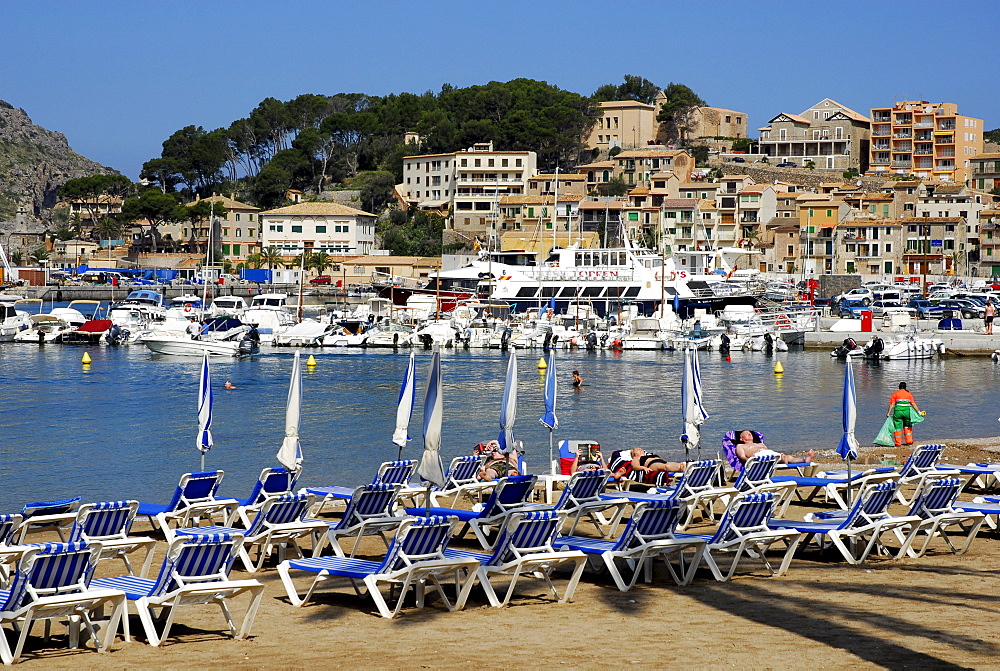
x,y
117,78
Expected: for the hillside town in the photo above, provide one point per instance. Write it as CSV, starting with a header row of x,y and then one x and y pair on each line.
x,y
906,189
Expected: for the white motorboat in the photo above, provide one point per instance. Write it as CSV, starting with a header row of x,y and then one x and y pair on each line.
x,y
268,314
186,346
233,306
913,346
389,335
646,333
12,320
346,333
45,328
307,333
437,332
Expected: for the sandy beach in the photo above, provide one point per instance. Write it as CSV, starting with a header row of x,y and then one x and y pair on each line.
x,y
937,611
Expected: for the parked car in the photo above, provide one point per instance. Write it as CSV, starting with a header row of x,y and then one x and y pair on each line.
x,y
738,159
968,309
925,308
879,308
862,294
852,309
321,279
788,164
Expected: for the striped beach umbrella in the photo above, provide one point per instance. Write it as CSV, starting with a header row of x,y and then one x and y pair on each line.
x,y
848,446
431,469
549,419
691,400
508,406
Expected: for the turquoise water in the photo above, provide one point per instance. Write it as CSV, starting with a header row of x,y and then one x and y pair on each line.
x,y
125,426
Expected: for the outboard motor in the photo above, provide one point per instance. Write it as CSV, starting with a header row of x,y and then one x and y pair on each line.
x,y
117,335
842,351
427,340
505,338
874,348
725,344
248,346
768,343
253,335
547,341
604,340
591,341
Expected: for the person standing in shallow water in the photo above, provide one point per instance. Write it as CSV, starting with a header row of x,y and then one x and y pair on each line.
x,y
577,380
901,404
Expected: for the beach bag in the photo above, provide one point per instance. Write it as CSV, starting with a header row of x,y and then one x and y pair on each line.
x,y
884,436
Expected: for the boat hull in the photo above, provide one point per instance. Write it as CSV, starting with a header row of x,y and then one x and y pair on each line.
x,y
182,346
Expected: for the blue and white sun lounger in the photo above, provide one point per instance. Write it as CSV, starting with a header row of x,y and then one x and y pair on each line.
x,y
867,519
525,548
51,583
368,513
934,504
415,556
194,572
744,530
193,499
48,515
389,473
279,523
273,481
109,523
649,534
510,494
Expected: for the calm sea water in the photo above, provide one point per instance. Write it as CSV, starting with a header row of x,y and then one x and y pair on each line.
x,y
125,426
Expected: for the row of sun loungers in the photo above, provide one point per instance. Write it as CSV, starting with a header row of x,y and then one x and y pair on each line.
x,y
517,538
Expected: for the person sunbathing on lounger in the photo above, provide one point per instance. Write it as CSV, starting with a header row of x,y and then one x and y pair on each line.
x,y
747,445
649,462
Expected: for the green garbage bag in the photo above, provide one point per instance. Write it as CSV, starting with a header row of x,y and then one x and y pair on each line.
x,y
884,436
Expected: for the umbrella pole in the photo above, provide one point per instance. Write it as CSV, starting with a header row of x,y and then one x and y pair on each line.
x,y
552,462
848,483
427,500
202,461
399,457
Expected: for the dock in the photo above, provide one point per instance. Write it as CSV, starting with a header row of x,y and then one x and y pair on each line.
x,y
969,342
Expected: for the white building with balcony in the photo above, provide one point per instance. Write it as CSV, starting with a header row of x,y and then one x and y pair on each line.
x,y
318,227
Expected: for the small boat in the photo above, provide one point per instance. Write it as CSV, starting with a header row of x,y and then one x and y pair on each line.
x,y
307,333
45,328
389,335
346,333
647,333
913,346
91,333
186,346
850,349
233,306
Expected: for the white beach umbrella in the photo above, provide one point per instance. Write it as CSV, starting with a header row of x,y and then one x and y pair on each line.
x,y
508,406
407,396
431,469
848,447
290,452
204,411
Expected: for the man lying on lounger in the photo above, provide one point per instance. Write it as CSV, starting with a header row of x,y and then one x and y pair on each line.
x,y
746,447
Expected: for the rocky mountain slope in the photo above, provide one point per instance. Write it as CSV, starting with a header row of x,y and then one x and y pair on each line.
x,y
34,163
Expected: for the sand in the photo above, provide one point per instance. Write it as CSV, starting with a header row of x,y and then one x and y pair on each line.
x,y
937,611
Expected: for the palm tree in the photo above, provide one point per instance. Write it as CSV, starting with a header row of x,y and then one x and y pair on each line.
x,y
271,257
253,261
320,261
39,254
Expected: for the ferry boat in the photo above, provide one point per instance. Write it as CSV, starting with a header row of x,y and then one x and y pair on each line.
x,y
607,278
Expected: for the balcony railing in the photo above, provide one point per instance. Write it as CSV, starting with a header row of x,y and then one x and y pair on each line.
x,y
903,146
881,145
481,180
880,161
946,126
923,164
946,154
902,164
905,135
924,124
881,118
924,149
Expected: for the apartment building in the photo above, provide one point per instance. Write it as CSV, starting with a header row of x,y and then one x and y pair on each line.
x,y
603,215
318,227
871,247
637,167
536,212
830,135
546,184
628,124
986,260
984,172
819,216
680,227
471,182
238,231
929,140
931,244
596,174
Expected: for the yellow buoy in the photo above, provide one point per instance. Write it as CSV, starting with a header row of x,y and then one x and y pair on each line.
x,y
311,361
541,363
778,369
86,358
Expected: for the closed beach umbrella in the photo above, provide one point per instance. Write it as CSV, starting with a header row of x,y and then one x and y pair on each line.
x,y
691,401
407,395
549,419
848,447
290,453
508,406
431,469
204,411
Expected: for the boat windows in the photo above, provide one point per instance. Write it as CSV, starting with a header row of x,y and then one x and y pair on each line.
x,y
592,292
604,259
631,292
614,292
527,292
568,292
549,292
